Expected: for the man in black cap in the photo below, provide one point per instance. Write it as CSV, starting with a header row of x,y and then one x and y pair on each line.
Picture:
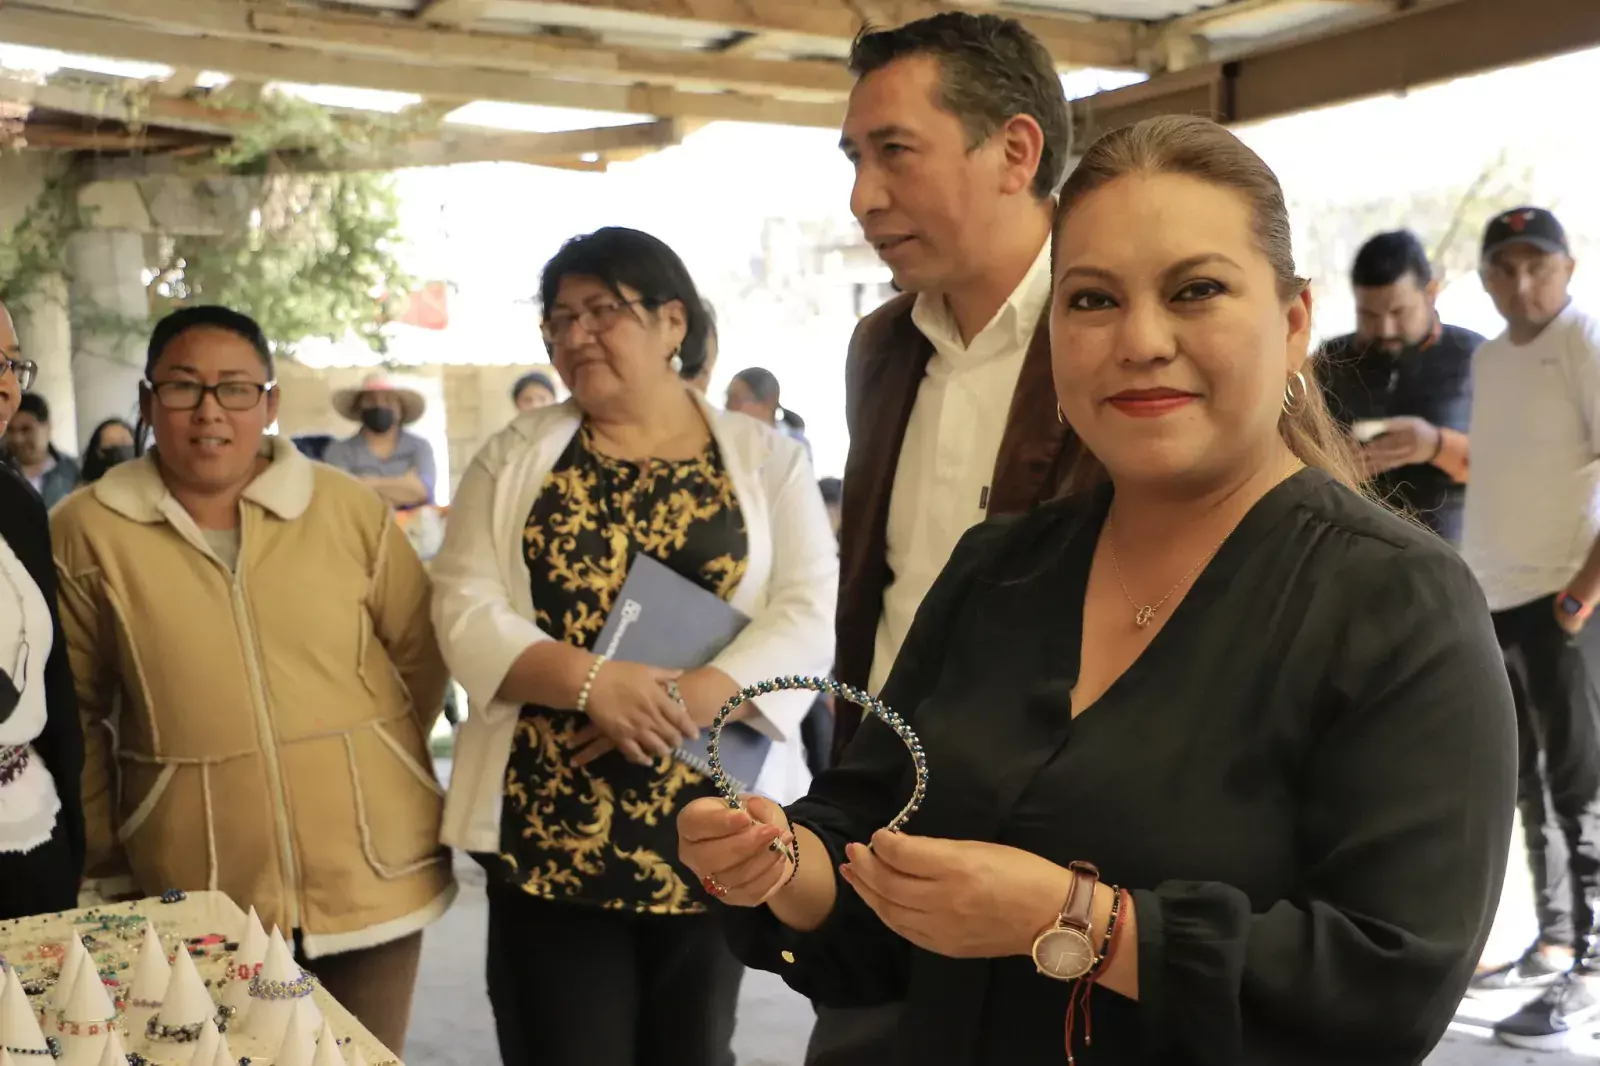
x,y
1533,539
1402,383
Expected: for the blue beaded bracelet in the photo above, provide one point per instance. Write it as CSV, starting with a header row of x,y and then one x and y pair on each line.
x,y
833,688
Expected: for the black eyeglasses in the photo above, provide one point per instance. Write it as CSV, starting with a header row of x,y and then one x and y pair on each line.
x,y
594,320
25,370
188,395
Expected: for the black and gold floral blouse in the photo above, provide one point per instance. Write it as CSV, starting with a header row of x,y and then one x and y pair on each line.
x,y
605,834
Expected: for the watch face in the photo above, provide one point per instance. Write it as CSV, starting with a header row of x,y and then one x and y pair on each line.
x,y
1064,954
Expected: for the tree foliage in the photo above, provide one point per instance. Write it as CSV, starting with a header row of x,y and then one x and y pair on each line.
x,y
1449,220
317,255
34,250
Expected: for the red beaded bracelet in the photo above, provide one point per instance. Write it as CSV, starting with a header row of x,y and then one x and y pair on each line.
x,y
1085,986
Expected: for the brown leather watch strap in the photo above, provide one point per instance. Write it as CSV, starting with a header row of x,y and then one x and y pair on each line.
x,y
1077,912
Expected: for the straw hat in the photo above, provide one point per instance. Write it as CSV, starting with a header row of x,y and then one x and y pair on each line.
x,y
347,401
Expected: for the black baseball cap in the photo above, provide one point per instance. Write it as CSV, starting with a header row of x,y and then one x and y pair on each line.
x,y
1525,225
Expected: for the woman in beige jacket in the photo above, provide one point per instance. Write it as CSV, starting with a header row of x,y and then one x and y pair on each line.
x,y
254,629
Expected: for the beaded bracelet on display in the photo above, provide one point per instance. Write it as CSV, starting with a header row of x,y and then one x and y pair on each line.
x,y
299,988
177,1034
889,718
66,1028
588,683
51,1051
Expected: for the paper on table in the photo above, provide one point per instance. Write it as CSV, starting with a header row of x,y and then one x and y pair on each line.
x,y
224,1055
247,962
205,1046
72,956
113,1053
151,973
327,1049
298,1047
187,1002
268,1017
89,1001
19,1026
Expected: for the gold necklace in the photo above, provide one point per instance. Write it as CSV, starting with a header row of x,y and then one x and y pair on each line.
x,y
1143,616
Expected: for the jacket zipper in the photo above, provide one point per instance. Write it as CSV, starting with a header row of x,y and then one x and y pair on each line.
x,y
269,739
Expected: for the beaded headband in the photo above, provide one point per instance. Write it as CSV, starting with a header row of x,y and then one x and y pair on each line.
x,y
919,761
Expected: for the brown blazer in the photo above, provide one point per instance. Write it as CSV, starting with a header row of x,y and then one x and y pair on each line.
x,y
887,360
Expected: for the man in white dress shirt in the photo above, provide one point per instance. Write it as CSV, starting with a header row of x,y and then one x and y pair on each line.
x,y
1532,521
958,130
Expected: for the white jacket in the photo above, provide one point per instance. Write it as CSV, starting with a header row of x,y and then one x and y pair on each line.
x,y
483,602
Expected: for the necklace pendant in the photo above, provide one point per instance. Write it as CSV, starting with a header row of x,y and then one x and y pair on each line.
x,y
1143,616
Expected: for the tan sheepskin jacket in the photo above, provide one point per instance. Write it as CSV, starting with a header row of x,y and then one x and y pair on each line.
x,y
262,732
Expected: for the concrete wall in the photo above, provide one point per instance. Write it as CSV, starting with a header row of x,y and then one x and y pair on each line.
x,y
42,321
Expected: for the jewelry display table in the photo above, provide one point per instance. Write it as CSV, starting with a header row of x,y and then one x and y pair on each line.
x,y
208,925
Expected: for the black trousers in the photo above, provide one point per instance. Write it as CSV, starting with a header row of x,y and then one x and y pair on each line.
x,y
1555,682
579,986
855,1036
39,881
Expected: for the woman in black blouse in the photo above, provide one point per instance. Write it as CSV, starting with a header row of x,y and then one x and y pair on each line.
x,y
1268,709
41,741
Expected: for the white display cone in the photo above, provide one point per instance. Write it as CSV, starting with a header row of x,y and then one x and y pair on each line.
x,y
246,963
7,1060
268,1016
19,1026
151,973
187,1002
224,1055
113,1055
90,1002
298,1047
327,1049
73,955
83,1024
205,1048
356,1057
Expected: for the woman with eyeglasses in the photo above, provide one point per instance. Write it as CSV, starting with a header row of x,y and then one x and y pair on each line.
x,y
259,624
565,784
41,742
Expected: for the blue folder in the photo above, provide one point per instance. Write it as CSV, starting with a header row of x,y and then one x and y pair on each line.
x,y
662,618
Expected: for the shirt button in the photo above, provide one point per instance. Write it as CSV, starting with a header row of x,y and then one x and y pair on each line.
x,y
787,956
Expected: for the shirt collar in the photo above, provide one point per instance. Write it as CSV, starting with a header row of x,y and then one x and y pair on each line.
x,y
136,490
1015,321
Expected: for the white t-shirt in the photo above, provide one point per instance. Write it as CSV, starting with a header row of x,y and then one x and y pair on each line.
x,y
1533,500
28,805
942,480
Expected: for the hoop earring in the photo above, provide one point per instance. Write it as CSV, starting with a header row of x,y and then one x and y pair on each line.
x,y
1292,403
676,362
1059,416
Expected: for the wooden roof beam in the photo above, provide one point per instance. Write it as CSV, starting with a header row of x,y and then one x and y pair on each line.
x,y
262,62
1408,49
93,100
1073,42
383,37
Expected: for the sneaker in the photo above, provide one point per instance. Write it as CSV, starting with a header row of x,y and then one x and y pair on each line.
x,y
1533,970
1546,1023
